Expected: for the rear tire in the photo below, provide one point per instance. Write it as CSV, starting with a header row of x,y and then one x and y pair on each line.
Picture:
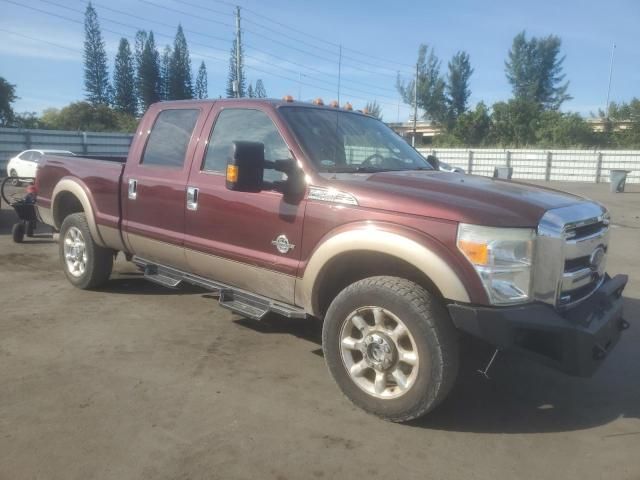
x,y
391,347
17,232
86,264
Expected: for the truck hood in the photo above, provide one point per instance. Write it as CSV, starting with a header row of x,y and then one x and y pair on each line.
x,y
451,196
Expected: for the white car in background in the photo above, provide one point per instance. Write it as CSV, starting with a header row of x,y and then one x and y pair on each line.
x,y
25,163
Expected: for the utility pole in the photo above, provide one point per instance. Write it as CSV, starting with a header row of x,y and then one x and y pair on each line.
x,y
339,72
238,63
613,50
415,108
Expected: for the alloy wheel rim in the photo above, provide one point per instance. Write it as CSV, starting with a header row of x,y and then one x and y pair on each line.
x,y
75,252
379,353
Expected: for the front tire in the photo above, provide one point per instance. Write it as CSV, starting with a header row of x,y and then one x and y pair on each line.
x,y
86,264
391,347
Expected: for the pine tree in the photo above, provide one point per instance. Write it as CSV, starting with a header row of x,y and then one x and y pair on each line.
x,y
165,70
201,90
149,73
180,84
141,39
534,70
233,74
260,91
458,91
250,93
124,82
96,74
431,87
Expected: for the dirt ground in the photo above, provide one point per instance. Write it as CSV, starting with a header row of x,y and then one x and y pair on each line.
x,y
139,382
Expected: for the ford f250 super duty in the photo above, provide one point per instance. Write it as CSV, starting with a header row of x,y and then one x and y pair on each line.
x,y
308,210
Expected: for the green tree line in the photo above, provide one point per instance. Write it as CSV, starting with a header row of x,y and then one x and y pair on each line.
x,y
531,118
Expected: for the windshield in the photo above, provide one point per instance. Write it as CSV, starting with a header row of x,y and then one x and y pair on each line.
x,y
339,141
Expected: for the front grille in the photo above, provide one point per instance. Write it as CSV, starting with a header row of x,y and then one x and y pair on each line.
x,y
571,253
587,230
581,276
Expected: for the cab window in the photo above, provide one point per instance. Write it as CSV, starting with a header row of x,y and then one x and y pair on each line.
x,y
169,138
240,124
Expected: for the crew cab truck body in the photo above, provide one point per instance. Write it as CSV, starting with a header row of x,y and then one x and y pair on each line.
x,y
306,210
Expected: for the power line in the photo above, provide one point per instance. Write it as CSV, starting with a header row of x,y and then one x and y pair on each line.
x,y
167,25
127,25
284,44
331,90
175,10
318,39
75,50
213,48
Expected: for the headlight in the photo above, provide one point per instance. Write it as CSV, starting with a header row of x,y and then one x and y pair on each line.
x,y
502,257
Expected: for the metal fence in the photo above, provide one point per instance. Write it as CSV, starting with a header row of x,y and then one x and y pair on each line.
x,y
562,165
15,140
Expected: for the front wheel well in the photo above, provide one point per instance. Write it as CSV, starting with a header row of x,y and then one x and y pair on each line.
x,y
350,267
66,203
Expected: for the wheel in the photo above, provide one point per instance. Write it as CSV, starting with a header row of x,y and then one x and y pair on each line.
x,y
17,232
85,263
14,179
391,347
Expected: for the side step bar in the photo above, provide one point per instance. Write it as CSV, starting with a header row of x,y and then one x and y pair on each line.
x,y
152,274
239,301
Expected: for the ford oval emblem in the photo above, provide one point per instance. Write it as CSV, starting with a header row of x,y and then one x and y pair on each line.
x,y
282,244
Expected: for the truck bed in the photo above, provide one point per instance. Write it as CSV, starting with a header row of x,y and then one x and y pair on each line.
x,y
99,176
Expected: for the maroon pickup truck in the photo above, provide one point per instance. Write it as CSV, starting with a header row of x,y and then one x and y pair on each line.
x,y
312,211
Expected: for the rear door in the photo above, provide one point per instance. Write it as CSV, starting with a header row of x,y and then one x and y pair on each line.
x,y
233,236
154,182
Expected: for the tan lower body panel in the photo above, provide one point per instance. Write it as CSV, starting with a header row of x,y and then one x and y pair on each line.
x,y
274,285
111,237
159,252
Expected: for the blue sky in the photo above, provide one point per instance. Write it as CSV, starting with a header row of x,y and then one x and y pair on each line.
x,y
306,61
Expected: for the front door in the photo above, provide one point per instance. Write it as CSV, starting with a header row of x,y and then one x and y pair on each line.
x,y
154,196
248,240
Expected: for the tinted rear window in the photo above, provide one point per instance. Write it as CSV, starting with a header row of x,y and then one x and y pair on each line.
x,y
169,138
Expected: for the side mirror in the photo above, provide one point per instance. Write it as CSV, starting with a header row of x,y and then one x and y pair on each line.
x,y
245,169
434,162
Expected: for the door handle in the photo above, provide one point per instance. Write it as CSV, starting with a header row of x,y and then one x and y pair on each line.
x,y
192,198
133,189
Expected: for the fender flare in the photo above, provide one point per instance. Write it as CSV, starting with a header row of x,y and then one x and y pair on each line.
x,y
78,190
375,239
